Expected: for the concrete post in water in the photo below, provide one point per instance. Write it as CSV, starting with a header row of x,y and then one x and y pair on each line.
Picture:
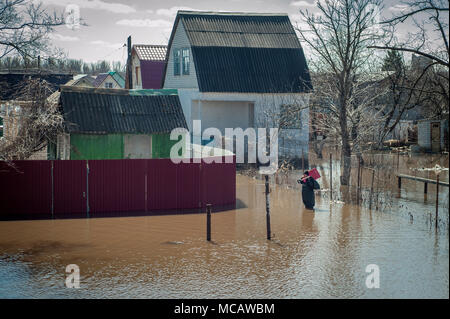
x,y
266,178
208,222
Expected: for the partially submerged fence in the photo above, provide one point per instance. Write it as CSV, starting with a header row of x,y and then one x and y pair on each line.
x,y
74,188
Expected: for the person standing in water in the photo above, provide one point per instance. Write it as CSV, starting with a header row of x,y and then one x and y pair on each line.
x,y
309,184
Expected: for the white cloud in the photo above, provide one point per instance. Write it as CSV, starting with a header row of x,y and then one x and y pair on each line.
x,y
64,38
302,3
144,23
172,12
92,4
107,44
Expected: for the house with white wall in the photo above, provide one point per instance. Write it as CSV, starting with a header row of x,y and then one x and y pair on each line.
x,y
241,70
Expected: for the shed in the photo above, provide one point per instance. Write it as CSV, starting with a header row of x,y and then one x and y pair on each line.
x,y
117,123
432,135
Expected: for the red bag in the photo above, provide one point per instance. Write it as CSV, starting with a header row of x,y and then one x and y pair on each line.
x,y
314,173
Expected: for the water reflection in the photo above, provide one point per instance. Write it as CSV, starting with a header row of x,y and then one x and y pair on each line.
x,y
320,254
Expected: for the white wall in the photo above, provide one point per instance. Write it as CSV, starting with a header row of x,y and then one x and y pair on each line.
x,y
136,63
224,114
180,40
137,146
110,79
231,110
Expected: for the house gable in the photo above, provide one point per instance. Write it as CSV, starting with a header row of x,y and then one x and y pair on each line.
x,y
179,40
241,53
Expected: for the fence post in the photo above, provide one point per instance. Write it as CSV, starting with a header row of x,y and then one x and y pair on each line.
x,y
371,189
87,188
303,161
208,222
437,199
359,182
53,189
331,177
266,178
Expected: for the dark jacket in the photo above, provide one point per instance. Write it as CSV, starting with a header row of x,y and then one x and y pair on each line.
x,y
308,187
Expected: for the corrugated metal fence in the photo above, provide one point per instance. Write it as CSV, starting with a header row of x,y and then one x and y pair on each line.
x,y
74,188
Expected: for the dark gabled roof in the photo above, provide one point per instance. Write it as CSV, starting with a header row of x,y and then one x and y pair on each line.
x,y
99,79
86,78
150,52
117,76
245,52
101,111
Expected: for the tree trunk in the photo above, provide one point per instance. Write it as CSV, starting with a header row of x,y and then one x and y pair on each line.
x,y
346,149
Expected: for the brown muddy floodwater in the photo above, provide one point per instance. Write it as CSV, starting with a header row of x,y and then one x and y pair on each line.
x,y
319,254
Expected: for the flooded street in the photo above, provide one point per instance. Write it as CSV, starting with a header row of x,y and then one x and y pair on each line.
x,y
320,254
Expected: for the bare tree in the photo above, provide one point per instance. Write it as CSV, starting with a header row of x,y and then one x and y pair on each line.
x,y
36,121
24,27
339,36
420,41
426,83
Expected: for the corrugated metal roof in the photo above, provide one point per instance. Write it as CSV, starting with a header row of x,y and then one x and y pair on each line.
x,y
150,52
245,52
257,31
99,79
256,70
117,111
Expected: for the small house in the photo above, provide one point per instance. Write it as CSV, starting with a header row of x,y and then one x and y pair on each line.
x,y
110,80
117,124
240,70
148,63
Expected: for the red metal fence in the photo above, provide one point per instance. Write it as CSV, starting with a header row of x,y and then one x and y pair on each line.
x,y
73,188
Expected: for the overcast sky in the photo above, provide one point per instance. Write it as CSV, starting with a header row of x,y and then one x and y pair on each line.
x,y
110,22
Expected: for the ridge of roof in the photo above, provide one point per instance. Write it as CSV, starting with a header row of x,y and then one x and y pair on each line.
x,y
229,13
133,92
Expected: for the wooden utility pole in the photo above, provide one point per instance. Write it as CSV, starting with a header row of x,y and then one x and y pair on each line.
x,y
129,72
266,178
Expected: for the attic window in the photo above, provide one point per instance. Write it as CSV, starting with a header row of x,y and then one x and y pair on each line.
x,y
185,61
176,62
